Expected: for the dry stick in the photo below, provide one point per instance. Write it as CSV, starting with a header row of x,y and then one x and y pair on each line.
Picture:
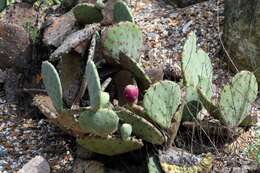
x,y
204,132
83,86
106,83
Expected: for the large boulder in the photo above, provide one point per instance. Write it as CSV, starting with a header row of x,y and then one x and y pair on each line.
x,y
15,46
242,34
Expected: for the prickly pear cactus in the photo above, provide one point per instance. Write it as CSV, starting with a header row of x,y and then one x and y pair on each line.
x,y
125,37
197,72
104,100
52,84
195,63
192,105
161,101
235,98
101,123
122,12
211,107
87,13
93,83
2,4
131,65
109,146
153,165
141,127
126,131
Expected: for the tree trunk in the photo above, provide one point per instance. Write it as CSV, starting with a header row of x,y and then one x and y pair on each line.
x,y
242,34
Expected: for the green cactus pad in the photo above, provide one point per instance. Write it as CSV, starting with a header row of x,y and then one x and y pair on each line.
x,y
153,164
94,87
125,37
102,122
192,104
129,64
87,14
52,84
126,131
122,12
141,127
211,107
2,5
235,98
109,146
104,100
205,84
161,101
195,62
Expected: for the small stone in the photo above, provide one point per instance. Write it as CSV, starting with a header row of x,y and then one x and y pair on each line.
x,y
36,165
3,151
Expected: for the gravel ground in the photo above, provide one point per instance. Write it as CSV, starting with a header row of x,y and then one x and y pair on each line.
x,y
23,138
165,29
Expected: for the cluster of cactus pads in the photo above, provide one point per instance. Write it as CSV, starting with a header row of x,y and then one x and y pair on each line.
x,y
107,128
235,98
99,125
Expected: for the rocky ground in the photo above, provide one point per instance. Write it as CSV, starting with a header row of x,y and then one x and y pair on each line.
x,y
165,29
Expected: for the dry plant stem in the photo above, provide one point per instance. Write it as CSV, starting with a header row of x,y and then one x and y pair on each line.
x,y
211,129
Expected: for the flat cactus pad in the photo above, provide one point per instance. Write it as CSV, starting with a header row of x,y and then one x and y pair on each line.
x,y
122,12
125,37
235,98
131,65
192,104
109,146
141,127
161,101
102,123
52,84
2,5
86,13
195,62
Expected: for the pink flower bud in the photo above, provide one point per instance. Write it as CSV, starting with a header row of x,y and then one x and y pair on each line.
x,y
131,93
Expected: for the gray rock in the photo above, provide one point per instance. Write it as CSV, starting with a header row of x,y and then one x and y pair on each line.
x,y
59,29
36,165
15,46
88,166
3,151
242,35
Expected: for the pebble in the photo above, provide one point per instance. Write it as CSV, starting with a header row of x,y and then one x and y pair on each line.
x,y
36,165
3,151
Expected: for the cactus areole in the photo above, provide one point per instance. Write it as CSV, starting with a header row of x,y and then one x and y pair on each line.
x,y
131,93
